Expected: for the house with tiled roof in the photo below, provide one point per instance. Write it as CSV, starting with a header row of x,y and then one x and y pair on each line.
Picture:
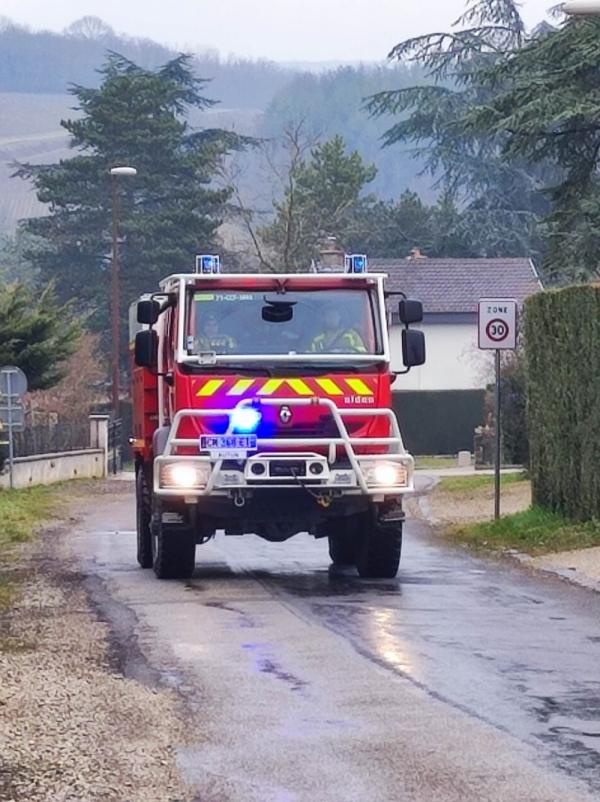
x,y
440,403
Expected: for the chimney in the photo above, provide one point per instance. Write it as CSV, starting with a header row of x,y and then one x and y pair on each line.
x,y
331,256
416,254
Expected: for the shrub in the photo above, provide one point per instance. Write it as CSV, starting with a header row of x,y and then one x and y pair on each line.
x,y
562,337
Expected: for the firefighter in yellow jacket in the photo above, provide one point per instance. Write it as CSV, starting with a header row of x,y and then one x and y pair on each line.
x,y
335,337
212,339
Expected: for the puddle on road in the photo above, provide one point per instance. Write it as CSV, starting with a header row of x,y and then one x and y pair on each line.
x,y
573,731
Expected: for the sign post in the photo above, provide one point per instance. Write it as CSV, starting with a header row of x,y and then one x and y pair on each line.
x,y
13,386
498,332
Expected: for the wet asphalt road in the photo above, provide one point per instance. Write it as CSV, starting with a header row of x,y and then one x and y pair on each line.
x,y
461,679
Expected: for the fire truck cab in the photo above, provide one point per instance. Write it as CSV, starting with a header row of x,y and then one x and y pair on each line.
x,y
262,404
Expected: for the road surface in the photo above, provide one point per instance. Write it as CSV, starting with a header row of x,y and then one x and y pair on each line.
x,y
462,679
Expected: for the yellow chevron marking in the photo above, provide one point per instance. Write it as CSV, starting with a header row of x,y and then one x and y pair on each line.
x,y
330,387
359,387
270,387
240,387
299,386
211,387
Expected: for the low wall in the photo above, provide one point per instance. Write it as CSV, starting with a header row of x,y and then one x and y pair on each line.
x,y
46,469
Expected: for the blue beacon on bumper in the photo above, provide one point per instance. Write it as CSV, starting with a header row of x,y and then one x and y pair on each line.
x,y
245,420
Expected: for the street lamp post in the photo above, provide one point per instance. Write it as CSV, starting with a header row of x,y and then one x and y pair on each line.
x,y
114,174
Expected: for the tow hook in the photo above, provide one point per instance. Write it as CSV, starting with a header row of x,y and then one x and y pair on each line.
x,y
239,500
324,501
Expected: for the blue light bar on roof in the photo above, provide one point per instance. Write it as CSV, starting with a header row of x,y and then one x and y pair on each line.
x,y
208,264
356,263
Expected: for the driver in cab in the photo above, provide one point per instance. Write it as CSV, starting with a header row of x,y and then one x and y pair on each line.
x,y
335,337
212,339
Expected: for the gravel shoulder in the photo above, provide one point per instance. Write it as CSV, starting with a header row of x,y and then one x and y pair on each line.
x,y
72,725
440,507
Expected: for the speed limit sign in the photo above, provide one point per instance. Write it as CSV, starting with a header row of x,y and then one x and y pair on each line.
x,y
498,323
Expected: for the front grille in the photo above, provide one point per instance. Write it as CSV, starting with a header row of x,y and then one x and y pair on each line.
x,y
325,427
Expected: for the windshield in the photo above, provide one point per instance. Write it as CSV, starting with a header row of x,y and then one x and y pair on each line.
x,y
301,322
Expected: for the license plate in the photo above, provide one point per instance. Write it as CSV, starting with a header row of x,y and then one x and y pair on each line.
x,y
228,446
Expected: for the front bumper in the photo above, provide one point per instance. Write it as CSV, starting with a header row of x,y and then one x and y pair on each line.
x,y
388,474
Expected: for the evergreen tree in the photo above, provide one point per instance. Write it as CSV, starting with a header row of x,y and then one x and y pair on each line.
x,y
393,230
37,333
546,110
169,212
322,199
501,201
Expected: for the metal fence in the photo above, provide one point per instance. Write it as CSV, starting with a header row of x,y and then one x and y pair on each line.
x,y
53,438
115,445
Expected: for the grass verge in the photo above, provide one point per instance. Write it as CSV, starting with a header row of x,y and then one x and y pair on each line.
x,y
535,531
20,512
435,462
467,484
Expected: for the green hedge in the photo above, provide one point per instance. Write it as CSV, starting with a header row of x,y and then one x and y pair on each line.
x,y
562,347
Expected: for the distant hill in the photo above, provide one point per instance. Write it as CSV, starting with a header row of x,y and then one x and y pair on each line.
x,y
254,98
331,103
48,63
30,131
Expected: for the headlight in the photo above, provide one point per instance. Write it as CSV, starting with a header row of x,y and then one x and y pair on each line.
x,y
385,474
184,475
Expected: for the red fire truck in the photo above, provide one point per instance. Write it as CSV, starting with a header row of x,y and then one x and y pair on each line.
x,y
262,404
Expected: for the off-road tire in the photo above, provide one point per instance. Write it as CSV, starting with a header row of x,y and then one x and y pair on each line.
x,y
378,555
342,536
143,514
173,547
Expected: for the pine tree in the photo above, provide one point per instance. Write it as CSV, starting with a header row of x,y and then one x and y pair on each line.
x,y
501,202
321,199
37,333
168,213
546,110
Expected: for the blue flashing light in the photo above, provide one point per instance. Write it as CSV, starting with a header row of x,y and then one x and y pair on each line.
x,y
245,420
356,263
208,264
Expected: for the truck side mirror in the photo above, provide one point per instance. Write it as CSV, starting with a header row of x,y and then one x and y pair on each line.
x,y
146,349
410,311
148,311
413,348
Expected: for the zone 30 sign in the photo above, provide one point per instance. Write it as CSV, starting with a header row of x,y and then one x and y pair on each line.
x,y
497,323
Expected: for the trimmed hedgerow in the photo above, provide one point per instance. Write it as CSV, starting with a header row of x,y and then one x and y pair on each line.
x,y
562,349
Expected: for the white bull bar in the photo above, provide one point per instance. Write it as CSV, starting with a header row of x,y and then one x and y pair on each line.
x,y
395,452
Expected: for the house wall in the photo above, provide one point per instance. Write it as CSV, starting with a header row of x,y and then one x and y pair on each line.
x,y
440,404
454,361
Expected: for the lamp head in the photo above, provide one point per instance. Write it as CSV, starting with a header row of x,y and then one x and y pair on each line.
x,y
123,171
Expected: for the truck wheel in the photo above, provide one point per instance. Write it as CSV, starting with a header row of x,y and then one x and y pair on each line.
x,y
341,551
143,515
173,546
342,538
378,556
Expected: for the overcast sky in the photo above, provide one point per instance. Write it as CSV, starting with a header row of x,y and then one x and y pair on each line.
x,y
282,30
